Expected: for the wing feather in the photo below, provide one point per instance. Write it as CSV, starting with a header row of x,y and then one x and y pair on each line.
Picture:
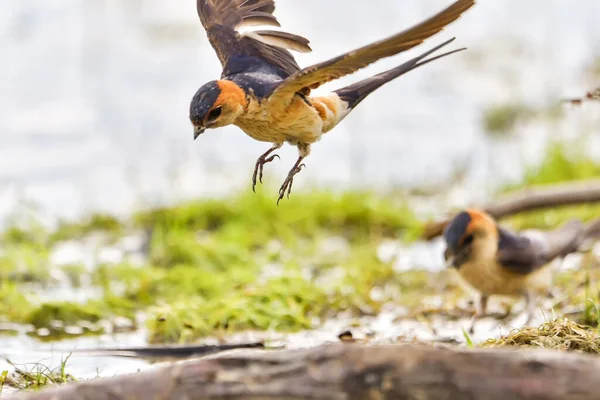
x,y
222,18
319,74
255,18
518,253
524,253
281,39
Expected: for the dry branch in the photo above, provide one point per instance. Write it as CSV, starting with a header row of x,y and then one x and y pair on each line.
x,y
354,372
532,199
591,95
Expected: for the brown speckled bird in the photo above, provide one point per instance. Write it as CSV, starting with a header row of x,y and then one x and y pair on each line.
x,y
263,91
496,261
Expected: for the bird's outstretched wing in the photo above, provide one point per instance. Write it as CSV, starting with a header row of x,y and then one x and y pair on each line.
x,y
319,74
524,254
254,50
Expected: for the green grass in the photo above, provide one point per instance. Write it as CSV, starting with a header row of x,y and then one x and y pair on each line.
x,y
561,164
354,214
66,312
214,253
285,304
221,266
218,266
15,304
24,253
35,376
106,224
28,231
25,263
504,118
187,302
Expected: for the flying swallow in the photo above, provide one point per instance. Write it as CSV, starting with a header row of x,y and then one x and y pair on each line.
x,y
496,261
263,91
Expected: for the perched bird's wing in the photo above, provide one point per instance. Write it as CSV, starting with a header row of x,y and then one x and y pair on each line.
x,y
518,253
526,252
319,74
254,50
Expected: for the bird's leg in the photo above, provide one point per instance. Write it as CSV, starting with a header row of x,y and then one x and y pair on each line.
x,y
304,151
260,163
530,305
480,313
287,184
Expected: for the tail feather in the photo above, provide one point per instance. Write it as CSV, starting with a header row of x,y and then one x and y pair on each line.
x,y
357,92
565,239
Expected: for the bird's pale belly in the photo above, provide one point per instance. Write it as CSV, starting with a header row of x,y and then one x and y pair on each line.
x,y
493,279
298,122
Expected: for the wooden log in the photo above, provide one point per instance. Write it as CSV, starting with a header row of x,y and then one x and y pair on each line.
x,y
353,372
531,199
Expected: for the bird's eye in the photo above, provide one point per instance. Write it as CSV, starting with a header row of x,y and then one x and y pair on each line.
x,y
215,113
468,240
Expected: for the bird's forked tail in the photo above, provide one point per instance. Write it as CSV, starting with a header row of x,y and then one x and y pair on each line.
x,y
357,92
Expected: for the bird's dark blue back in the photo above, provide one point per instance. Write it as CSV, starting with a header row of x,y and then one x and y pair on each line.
x,y
260,82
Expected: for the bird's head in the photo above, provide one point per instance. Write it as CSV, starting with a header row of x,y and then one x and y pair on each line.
x,y
216,104
470,234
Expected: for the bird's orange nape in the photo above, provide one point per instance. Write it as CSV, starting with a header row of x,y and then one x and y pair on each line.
x,y
230,95
480,220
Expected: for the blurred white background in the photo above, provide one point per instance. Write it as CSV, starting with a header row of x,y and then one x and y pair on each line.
x,y
94,99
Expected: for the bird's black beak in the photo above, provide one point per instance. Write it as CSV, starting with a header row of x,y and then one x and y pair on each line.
x,y
449,258
198,130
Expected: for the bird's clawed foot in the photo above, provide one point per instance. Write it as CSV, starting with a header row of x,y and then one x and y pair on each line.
x,y
260,164
287,184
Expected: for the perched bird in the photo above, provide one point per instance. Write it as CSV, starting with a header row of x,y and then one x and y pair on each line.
x,y
263,91
496,261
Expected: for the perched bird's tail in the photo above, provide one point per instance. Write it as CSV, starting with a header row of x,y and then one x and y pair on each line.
x,y
565,239
358,91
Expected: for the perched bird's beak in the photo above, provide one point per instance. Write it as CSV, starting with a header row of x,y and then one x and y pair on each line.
x,y
198,130
449,258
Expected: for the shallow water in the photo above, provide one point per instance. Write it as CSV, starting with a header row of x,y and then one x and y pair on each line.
x,y
387,327
393,324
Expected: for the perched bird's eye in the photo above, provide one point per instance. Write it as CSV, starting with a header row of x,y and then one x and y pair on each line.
x,y
468,240
215,113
